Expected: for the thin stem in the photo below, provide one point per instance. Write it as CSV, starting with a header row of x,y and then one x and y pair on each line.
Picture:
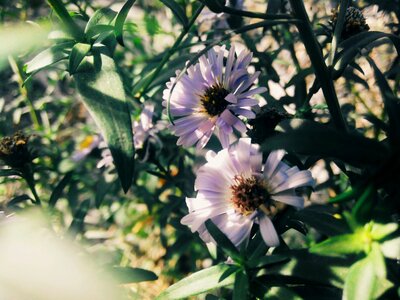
x,y
171,51
28,176
66,19
338,29
322,72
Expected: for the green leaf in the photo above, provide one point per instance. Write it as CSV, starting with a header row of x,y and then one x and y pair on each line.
x,y
222,241
341,244
79,216
378,261
126,275
9,172
241,286
103,16
104,96
360,282
311,138
392,104
323,220
365,205
311,267
260,262
177,11
352,47
78,53
19,199
119,22
56,194
48,57
380,231
198,283
391,248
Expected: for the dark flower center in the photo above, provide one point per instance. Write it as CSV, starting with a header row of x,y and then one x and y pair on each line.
x,y
213,100
249,194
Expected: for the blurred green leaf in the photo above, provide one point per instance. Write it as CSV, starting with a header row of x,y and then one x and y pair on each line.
x,y
241,286
177,11
20,38
79,216
361,281
198,283
18,200
9,172
104,96
311,138
380,231
391,248
78,53
57,192
48,57
126,275
222,241
120,20
341,244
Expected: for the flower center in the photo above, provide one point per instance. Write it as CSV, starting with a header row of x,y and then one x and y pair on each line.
x,y
213,100
249,194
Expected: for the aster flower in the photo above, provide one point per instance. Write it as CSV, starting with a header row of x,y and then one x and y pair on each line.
x,y
212,95
235,190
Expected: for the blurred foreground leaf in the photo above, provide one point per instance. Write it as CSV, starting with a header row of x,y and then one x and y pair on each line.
x,y
104,96
19,38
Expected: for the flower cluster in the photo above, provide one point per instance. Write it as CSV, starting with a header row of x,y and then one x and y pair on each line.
x,y
234,188
354,22
14,150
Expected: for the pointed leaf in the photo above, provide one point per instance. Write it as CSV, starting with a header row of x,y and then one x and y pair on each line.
x,y
104,96
177,11
56,194
223,241
119,22
78,53
341,244
198,283
48,57
241,286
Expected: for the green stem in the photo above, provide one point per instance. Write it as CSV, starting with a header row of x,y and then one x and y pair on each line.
x,y
66,19
28,176
171,51
322,72
338,29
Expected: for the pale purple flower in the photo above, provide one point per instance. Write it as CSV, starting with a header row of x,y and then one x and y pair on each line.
x,y
212,96
235,190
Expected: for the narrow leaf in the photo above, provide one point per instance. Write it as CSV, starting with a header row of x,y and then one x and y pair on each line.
x,y
312,138
241,286
119,22
78,53
341,244
9,172
198,283
223,241
104,96
131,275
48,57
57,192
177,11
361,281
19,199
